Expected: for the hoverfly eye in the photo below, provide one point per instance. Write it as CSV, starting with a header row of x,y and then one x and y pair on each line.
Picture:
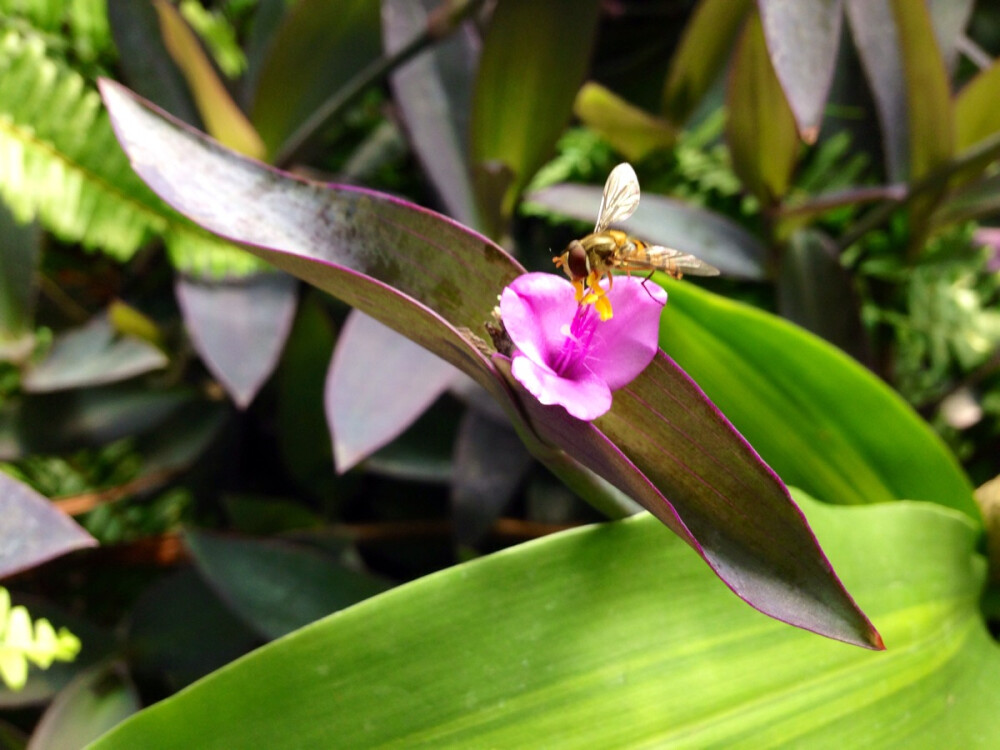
x,y
577,260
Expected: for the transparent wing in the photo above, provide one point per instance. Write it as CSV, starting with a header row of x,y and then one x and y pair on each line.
x,y
668,259
621,196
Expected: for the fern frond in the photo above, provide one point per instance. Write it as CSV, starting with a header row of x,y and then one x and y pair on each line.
x,y
84,21
20,643
60,162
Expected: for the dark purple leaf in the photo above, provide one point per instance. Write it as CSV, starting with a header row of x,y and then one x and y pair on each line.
x,y
33,531
666,221
490,462
92,355
437,282
379,382
239,327
803,37
274,586
816,291
434,91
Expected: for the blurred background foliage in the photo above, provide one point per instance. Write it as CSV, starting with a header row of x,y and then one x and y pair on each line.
x,y
838,162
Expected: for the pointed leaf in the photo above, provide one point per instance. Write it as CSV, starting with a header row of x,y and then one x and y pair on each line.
x,y
318,48
760,130
33,531
816,416
239,327
222,118
433,92
93,354
803,37
976,113
705,48
276,587
583,628
379,382
950,18
490,462
97,700
928,94
437,282
666,221
533,62
630,130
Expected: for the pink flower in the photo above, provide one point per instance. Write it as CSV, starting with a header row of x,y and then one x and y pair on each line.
x,y
565,353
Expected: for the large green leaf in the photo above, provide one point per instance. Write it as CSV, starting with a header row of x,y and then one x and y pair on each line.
x,y
437,282
533,62
976,113
615,636
820,419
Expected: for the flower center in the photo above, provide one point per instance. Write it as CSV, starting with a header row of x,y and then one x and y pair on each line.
x,y
578,335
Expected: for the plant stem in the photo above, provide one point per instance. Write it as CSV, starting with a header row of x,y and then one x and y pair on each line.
x,y
986,150
440,23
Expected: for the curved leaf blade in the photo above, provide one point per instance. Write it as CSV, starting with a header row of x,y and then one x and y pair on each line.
x,y
239,327
378,383
630,130
815,415
803,39
33,531
620,643
976,114
532,64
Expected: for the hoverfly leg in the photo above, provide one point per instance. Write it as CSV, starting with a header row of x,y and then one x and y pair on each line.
x,y
644,284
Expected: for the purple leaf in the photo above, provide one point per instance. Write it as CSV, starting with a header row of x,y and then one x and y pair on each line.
x,y
33,531
239,327
803,37
379,382
92,355
666,221
438,282
490,462
433,92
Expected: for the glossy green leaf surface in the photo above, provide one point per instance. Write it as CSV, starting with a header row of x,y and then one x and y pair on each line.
x,y
319,46
704,50
615,636
532,64
761,132
803,37
820,419
436,282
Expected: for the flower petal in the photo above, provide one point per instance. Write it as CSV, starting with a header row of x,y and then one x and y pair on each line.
x,y
535,307
624,345
587,397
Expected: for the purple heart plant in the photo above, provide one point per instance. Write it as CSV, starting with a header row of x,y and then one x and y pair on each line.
x,y
657,438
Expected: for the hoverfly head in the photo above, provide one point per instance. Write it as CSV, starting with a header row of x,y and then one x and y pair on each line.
x,y
575,261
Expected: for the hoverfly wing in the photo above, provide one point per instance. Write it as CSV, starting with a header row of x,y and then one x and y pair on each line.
x,y
671,260
621,196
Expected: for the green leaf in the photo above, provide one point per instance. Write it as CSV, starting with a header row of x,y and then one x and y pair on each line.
x,y
821,420
318,48
803,37
20,253
761,132
976,113
59,162
533,62
93,703
630,130
928,95
615,636
276,587
705,47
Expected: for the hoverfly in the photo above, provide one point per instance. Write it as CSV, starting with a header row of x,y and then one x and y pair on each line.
x,y
587,260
